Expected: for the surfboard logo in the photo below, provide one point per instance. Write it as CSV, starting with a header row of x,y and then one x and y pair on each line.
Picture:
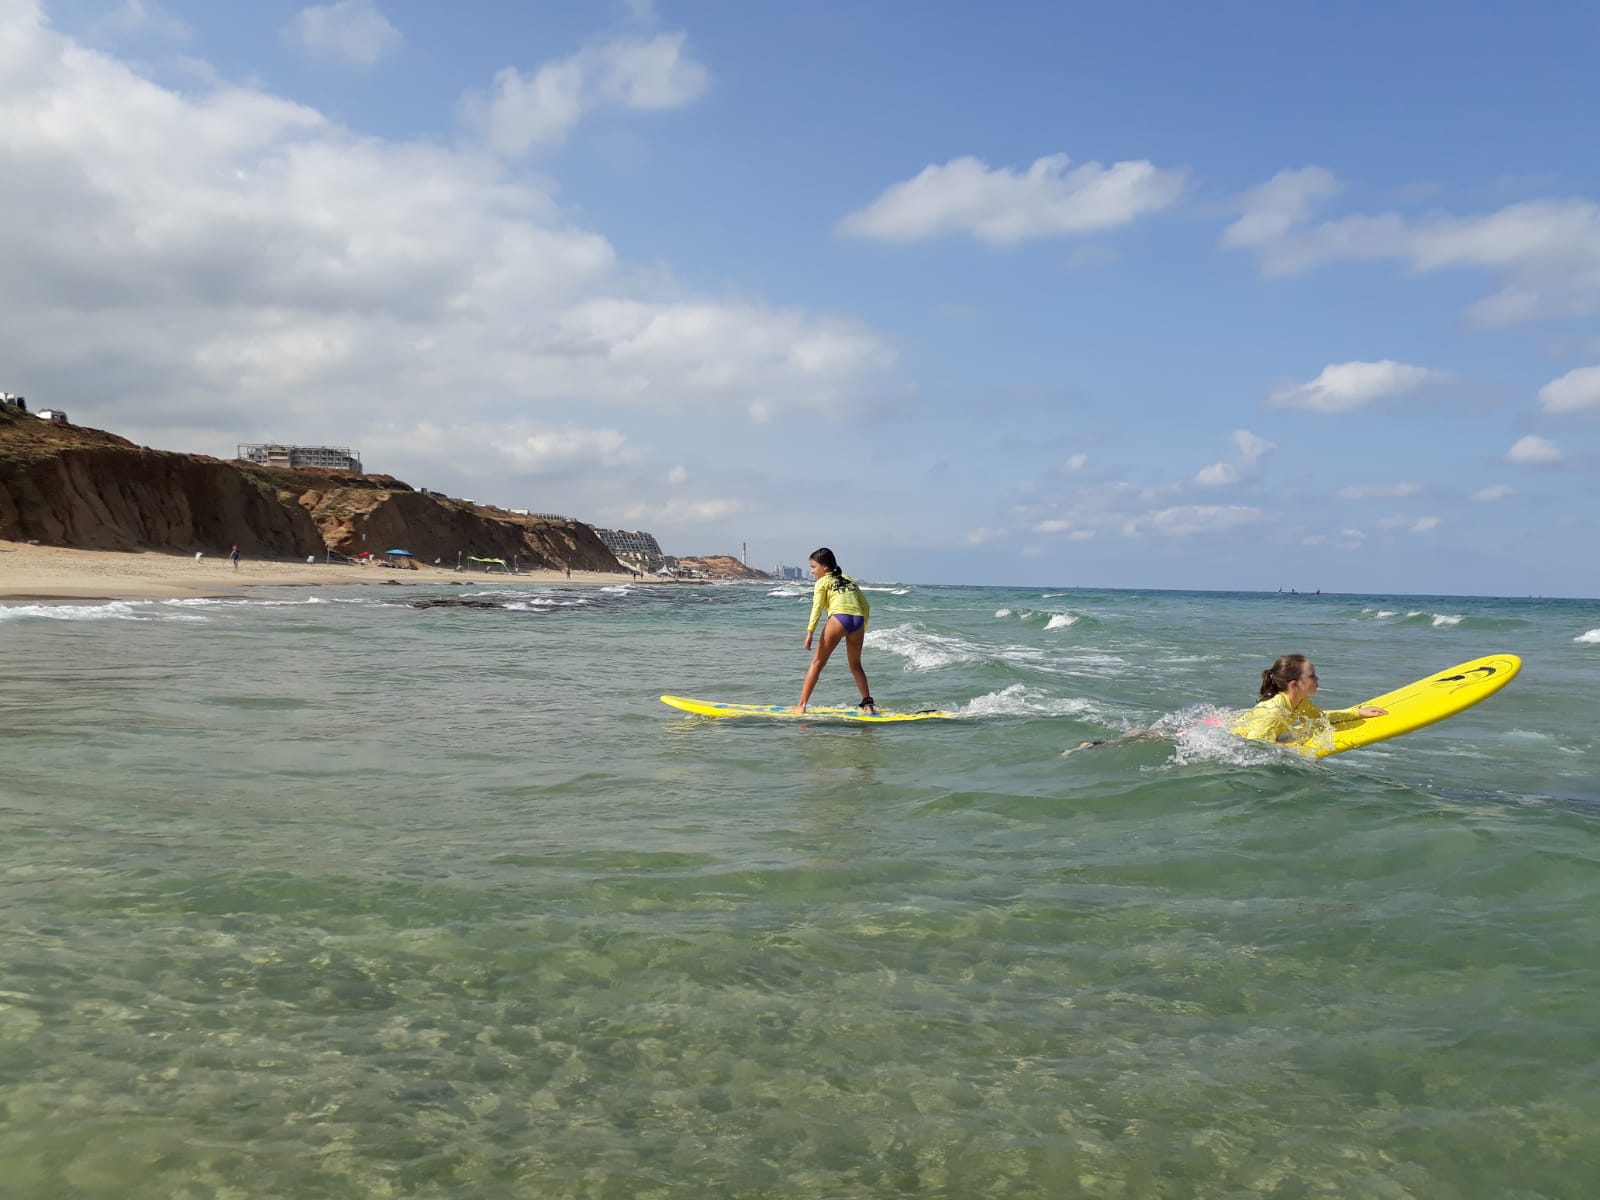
x,y
1466,678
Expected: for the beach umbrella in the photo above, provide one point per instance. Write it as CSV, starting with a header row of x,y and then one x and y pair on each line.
x,y
407,553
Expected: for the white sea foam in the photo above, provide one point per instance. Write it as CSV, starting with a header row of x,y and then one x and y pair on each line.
x,y
893,591
1001,614
1062,620
621,589
1019,700
1385,612
537,603
1440,620
925,650
1591,638
787,593
238,602
115,610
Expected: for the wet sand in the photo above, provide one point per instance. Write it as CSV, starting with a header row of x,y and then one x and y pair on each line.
x,y
56,573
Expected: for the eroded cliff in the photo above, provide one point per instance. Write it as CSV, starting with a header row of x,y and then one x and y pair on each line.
x,y
64,485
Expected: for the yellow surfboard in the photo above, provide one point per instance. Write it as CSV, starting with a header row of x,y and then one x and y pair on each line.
x,y
1419,704
708,708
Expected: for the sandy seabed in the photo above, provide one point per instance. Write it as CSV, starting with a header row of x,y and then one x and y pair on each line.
x,y
55,573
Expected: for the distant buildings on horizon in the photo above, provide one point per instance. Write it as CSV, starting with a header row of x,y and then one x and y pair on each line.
x,y
278,454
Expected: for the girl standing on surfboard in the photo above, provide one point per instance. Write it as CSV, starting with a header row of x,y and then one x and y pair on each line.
x,y
1286,690
846,608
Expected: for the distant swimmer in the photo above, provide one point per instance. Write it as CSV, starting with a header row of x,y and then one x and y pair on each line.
x,y
1284,714
841,605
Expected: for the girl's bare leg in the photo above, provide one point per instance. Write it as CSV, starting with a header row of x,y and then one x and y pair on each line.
x,y
832,631
852,649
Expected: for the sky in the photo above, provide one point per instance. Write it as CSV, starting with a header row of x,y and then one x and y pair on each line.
x,y
1155,295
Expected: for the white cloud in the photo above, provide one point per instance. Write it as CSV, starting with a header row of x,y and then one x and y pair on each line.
x,y
1342,387
476,449
242,267
1189,520
1573,392
981,536
678,475
1544,255
1277,206
1002,207
642,74
1498,491
546,450
134,17
1053,526
1409,524
1379,491
1076,463
353,30
1345,539
1533,449
675,512
1251,449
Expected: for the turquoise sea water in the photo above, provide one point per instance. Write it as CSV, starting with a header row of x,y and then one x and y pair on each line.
x,y
315,894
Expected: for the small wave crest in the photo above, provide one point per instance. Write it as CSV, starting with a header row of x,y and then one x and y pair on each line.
x,y
1052,620
1019,700
925,650
1438,620
787,593
114,610
540,603
893,591
1592,638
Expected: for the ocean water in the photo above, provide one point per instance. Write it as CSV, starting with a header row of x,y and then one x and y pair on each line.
x,y
317,894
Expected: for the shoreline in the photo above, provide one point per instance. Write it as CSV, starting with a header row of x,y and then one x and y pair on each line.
x,y
31,573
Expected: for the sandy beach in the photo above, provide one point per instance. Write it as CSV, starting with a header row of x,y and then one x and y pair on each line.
x,y
55,573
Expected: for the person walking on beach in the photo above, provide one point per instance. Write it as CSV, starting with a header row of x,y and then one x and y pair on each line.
x,y
839,602
234,556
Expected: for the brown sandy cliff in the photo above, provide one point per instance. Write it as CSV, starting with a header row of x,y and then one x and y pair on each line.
x,y
64,485
722,566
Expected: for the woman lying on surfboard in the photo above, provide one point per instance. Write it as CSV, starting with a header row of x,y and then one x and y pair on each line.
x,y
1286,690
847,610
1282,715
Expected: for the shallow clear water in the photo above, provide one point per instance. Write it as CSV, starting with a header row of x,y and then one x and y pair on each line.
x,y
317,894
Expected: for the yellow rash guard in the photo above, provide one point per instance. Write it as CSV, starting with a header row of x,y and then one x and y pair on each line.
x,y
837,594
1274,721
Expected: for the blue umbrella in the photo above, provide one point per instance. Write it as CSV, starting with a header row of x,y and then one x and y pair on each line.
x,y
407,553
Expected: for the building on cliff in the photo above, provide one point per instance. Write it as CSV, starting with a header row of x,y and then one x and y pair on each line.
x,y
275,454
14,401
633,548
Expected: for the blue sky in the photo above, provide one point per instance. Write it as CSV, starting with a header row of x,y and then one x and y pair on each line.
x,y
1160,295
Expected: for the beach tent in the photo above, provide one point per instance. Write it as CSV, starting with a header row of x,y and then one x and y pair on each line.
x,y
487,562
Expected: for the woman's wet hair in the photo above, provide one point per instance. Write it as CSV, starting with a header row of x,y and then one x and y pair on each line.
x,y
825,556
1281,674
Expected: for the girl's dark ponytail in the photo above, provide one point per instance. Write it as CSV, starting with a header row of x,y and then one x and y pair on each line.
x,y
1277,678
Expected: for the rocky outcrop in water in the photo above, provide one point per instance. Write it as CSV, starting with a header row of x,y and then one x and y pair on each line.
x,y
64,485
